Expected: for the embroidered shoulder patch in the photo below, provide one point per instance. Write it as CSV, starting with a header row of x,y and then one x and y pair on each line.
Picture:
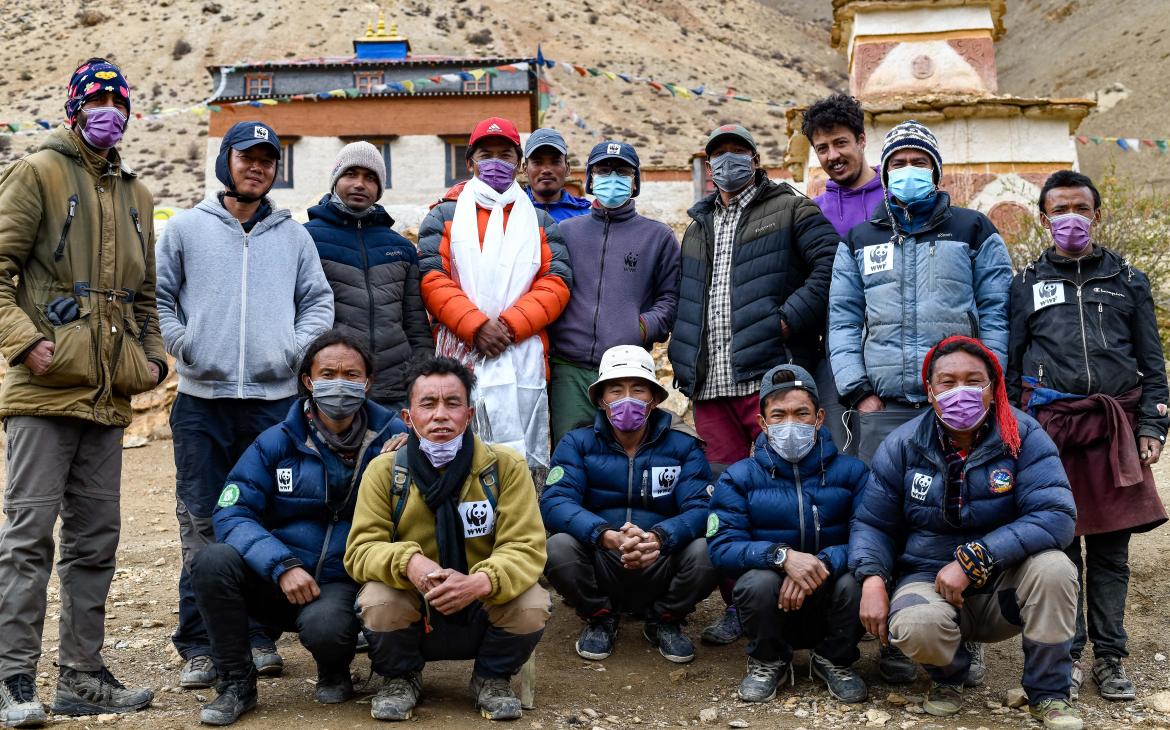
x,y
555,474
1001,481
229,496
712,524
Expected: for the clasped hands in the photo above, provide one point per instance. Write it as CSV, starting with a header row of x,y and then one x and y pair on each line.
x,y
639,549
446,590
805,573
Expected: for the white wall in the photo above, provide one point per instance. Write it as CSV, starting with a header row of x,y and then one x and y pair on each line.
x,y
919,20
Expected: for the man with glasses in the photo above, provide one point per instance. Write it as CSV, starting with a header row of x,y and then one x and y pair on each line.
x,y
626,288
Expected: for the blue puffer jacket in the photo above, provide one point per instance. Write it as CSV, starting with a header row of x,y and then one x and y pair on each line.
x,y
277,510
896,294
762,500
594,486
1016,507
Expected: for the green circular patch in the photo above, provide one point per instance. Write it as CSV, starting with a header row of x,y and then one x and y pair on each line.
x,y
229,496
712,524
555,474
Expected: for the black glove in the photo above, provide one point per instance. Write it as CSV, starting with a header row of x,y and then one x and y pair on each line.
x,y
62,310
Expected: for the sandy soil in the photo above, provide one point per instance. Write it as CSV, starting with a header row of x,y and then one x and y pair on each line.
x,y
635,687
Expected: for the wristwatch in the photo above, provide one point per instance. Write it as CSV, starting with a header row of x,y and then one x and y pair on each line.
x,y
778,557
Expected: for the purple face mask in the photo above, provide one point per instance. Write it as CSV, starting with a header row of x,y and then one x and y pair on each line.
x,y
628,414
103,127
498,174
961,408
1070,232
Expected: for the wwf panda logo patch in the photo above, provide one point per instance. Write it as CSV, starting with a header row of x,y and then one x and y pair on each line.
x,y
878,258
479,518
663,479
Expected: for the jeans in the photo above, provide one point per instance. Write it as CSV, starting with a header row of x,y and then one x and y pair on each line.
x,y
593,581
827,622
1104,582
229,593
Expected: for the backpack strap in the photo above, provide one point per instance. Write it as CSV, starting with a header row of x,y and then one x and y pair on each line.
x,y
399,491
489,480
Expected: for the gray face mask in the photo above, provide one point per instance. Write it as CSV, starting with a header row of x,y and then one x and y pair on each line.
x,y
339,205
792,441
338,399
732,171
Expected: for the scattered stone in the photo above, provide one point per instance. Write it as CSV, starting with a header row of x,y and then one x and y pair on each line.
x,y
678,675
134,442
1000,711
739,723
876,718
800,712
1159,657
915,709
108,719
1015,698
613,719
896,699
1159,702
160,562
591,713
708,715
149,623
200,698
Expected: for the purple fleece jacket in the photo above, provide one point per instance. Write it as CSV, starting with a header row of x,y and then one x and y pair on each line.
x,y
846,208
626,270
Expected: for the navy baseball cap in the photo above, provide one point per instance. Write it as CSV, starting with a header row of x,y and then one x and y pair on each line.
x,y
545,137
245,135
614,150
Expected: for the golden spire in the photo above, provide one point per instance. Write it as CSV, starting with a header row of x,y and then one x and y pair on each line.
x,y
369,29
381,25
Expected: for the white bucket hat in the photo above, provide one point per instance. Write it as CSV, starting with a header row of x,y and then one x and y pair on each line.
x,y
627,361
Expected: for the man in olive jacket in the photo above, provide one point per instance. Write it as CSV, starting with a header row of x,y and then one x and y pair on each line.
x,y
79,330
447,539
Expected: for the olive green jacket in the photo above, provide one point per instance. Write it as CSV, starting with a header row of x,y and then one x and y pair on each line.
x,y
74,224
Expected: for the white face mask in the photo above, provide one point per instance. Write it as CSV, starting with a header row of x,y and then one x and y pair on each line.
x,y
440,454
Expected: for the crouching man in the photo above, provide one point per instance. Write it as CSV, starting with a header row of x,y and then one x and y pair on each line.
x,y
448,543
281,525
967,512
779,524
625,502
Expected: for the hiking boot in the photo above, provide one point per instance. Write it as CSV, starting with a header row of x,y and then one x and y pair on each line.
x,y
1111,681
943,700
235,697
724,631
596,639
268,661
1077,678
198,673
895,667
670,640
397,698
762,680
978,669
494,698
96,693
1057,714
19,706
362,646
333,687
843,683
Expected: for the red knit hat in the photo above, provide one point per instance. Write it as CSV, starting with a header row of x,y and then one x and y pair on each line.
x,y
1009,430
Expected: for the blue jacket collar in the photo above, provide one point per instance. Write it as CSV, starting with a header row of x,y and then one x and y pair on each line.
x,y
378,419
935,211
566,201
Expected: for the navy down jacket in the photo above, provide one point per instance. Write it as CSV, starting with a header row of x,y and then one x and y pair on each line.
x,y
277,510
595,486
762,500
1017,507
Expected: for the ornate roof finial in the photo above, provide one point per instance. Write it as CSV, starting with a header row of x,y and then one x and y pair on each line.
x,y
369,29
381,24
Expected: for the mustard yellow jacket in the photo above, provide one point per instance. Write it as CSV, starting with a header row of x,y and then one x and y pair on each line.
x,y
512,554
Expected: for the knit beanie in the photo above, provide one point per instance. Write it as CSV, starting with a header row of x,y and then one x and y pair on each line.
x,y
911,134
360,154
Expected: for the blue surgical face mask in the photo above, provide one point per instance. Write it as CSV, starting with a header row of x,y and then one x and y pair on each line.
x,y
613,190
910,184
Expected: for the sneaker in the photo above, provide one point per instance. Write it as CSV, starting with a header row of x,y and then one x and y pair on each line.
x,y
19,706
96,693
597,638
943,700
494,698
843,683
670,640
198,673
333,687
1057,714
268,661
762,680
724,631
978,669
362,646
1077,678
397,698
1111,681
234,698
895,667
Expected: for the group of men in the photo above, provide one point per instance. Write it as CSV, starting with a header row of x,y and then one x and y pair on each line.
x,y
858,462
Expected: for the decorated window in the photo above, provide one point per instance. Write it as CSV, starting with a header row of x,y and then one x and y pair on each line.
x,y
258,85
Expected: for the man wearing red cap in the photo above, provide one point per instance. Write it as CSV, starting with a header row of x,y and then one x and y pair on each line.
x,y
965,517
495,275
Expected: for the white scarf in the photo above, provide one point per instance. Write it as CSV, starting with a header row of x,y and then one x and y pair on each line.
x,y
510,396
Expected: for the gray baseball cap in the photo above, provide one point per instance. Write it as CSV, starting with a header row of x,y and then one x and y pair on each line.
x,y
803,381
545,137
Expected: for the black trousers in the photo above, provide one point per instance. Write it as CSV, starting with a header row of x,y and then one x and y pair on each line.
x,y
593,581
229,593
1104,583
828,621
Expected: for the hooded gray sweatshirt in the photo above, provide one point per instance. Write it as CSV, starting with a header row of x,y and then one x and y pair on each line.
x,y
237,309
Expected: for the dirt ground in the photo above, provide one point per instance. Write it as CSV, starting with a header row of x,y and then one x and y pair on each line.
x,y
635,687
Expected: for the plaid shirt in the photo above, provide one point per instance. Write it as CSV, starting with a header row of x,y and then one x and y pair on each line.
x,y
956,460
720,381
